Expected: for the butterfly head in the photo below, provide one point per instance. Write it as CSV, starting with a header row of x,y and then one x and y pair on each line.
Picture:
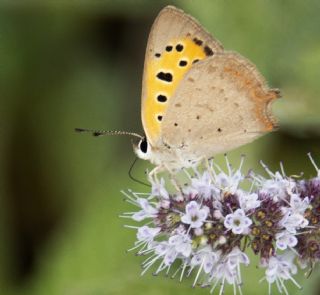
x,y
143,149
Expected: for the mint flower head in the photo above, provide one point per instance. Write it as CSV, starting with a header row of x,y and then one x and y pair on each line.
x,y
207,226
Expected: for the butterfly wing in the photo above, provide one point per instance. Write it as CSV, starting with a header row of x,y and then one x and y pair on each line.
x,y
221,103
175,43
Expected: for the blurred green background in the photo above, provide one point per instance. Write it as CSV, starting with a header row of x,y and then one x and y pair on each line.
x,y
66,64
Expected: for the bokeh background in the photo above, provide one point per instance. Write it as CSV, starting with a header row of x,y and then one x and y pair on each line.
x,y
66,64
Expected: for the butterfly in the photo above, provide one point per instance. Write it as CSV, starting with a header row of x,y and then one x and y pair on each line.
x,y
198,100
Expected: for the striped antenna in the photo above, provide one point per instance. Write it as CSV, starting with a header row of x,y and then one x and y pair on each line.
x,y
107,132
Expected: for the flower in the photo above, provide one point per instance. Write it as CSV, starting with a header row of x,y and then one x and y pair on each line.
x,y
182,244
278,187
279,269
165,250
299,205
285,240
293,218
228,270
237,222
293,221
201,228
194,215
158,189
248,201
206,258
146,233
146,211
202,186
235,257
229,182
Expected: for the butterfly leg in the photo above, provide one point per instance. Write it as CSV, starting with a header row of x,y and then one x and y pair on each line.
x,y
152,175
155,171
175,183
174,179
158,169
207,166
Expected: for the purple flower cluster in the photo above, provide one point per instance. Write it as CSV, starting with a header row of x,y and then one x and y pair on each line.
x,y
208,225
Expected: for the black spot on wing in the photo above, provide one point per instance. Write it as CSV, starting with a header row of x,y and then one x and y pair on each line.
x,y
179,47
169,48
162,98
183,63
197,41
208,51
167,77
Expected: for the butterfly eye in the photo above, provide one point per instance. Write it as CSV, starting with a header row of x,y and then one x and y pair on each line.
x,y
143,145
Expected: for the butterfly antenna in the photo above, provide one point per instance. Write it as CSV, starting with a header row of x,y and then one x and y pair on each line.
x,y
107,132
133,178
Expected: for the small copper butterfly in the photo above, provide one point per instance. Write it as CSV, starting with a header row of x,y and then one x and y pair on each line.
x,y
198,100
